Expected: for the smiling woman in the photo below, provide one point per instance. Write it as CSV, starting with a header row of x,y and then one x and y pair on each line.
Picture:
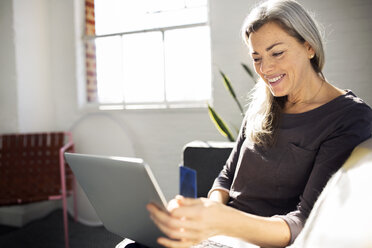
x,y
299,129
293,35
286,68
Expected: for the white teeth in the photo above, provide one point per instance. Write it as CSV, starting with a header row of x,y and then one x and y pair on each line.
x,y
271,80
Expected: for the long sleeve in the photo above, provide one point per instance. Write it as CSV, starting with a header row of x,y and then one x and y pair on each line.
x,y
285,179
226,176
354,129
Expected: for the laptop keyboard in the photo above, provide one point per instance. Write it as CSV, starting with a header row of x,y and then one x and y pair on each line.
x,y
210,244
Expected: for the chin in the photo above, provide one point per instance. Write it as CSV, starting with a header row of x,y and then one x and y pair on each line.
x,y
277,93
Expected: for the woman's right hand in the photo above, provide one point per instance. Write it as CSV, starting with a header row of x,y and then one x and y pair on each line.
x,y
189,221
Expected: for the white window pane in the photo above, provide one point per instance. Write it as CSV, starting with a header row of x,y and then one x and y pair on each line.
x,y
143,67
107,13
163,5
115,16
195,3
188,64
175,18
109,70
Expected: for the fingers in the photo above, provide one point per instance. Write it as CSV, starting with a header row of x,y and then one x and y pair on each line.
x,y
188,212
189,208
186,223
173,204
174,243
189,201
179,234
183,201
175,228
184,207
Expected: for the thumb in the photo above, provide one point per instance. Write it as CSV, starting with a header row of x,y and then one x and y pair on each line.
x,y
183,201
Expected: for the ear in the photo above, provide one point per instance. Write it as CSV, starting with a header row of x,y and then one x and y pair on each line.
x,y
309,49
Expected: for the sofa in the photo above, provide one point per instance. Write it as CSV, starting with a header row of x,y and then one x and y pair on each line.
x,y
341,216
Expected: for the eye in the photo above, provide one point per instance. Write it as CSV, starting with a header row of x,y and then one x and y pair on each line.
x,y
256,60
277,54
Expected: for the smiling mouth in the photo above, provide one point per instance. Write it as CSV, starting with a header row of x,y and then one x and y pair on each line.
x,y
275,80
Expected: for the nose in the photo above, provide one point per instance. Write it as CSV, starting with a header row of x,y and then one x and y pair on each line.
x,y
266,66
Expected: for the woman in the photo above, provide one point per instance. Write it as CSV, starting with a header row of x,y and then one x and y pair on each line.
x,y
298,131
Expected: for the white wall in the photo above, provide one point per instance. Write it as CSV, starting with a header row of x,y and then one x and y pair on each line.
x,y
43,53
25,86
348,36
228,52
32,55
8,84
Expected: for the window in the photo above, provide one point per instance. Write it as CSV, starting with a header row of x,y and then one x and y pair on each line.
x,y
148,53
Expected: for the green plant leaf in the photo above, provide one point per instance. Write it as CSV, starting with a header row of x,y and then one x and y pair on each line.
x,y
246,68
227,84
220,124
232,92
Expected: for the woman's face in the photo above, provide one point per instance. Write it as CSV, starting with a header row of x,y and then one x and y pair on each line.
x,y
280,59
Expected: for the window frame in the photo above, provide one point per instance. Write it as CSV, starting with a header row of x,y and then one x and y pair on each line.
x,y
165,104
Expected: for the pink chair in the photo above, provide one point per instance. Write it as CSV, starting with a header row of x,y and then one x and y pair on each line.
x,y
32,169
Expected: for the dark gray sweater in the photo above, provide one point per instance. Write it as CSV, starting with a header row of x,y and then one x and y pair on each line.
x,y
286,179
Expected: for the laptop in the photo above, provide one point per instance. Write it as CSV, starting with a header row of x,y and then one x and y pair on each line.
x,y
119,188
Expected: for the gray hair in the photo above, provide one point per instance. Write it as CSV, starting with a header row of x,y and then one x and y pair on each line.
x,y
265,109
294,19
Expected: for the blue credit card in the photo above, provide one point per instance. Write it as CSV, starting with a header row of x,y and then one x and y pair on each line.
x,y
188,187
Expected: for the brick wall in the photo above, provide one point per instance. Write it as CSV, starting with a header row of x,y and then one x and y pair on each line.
x,y
90,52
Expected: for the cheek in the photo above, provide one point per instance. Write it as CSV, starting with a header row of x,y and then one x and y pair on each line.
x,y
291,65
257,69
297,61
299,68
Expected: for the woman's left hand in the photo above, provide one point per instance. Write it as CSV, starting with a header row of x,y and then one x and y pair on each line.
x,y
188,221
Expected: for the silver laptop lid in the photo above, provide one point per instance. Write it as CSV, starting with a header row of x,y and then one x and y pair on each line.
x,y
119,189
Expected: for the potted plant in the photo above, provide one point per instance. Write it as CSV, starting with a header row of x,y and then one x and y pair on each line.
x,y
217,120
208,158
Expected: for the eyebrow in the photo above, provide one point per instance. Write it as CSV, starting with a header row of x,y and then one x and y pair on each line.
x,y
270,47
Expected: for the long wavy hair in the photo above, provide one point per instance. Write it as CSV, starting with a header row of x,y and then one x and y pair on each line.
x,y
264,109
